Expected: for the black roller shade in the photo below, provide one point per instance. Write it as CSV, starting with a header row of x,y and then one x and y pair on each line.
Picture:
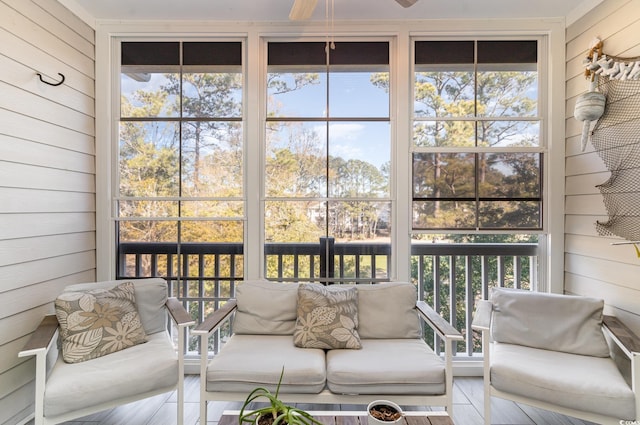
x,y
314,53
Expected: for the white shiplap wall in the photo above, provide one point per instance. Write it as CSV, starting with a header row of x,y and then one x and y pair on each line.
x,y
47,177
592,265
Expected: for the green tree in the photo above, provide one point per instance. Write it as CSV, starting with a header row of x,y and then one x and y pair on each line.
x,y
212,100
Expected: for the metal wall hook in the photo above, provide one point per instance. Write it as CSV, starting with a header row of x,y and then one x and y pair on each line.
x,y
51,84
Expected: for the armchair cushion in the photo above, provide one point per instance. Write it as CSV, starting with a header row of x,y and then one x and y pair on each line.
x,y
387,311
98,322
266,308
327,317
570,324
118,376
587,383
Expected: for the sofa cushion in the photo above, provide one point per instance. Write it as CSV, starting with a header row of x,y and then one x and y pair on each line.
x,y
587,383
249,361
327,317
571,324
151,296
266,308
98,322
127,373
387,311
386,366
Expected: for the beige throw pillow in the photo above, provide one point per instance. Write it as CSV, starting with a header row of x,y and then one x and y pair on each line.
x,y
98,322
327,317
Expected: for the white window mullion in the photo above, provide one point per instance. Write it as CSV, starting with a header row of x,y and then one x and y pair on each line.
x,y
401,111
254,164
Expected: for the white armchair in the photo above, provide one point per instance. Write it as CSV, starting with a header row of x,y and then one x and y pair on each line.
x,y
549,351
65,391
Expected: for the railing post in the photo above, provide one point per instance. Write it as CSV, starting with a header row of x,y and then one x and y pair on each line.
x,y
327,254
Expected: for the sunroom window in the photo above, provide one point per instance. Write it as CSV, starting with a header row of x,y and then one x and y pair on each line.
x,y
180,202
327,207
477,172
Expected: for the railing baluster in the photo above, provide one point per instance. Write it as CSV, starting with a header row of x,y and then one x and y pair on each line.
x,y
485,277
453,305
201,274
373,266
138,264
437,304
501,271
154,264
421,276
469,304
533,273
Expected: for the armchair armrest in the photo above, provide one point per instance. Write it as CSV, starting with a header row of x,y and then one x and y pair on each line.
x,y
624,337
214,321
39,345
178,313
482,317
41,338
437,323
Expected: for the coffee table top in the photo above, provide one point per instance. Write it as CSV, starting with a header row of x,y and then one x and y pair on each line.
x,y
230,417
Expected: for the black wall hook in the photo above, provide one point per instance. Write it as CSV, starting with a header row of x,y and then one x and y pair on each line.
x,y
51,84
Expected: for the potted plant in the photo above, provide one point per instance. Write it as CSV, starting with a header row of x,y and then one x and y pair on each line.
x,y
276,413
383,412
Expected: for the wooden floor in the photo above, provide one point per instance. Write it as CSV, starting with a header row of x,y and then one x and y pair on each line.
x,y
467,410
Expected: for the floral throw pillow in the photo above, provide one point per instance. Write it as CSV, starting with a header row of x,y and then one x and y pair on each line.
x,y
327,317
98,322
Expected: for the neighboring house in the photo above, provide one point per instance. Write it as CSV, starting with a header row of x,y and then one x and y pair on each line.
x,y
50,168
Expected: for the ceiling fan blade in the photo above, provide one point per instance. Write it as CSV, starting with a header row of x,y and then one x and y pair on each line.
x,y
406,3
302,9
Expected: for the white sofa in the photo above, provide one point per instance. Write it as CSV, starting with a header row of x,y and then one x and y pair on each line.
x,y
394,362
550,351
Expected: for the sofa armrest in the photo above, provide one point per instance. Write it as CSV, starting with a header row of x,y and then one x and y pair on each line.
x,y
178,313
437,323
214,321
41,338
624,337
482,317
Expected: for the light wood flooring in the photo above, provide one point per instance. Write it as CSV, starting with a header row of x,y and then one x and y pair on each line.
x,y
467,398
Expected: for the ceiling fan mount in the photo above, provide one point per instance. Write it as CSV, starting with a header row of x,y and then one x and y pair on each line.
x,y
303,9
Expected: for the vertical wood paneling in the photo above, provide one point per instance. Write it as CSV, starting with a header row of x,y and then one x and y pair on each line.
x,y
47,177
593,266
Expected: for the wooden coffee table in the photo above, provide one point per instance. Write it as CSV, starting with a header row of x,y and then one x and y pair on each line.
x,y
230,417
